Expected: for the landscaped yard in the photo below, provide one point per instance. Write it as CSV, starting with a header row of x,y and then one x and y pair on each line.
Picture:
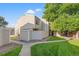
x,y
13,52
52,38
65,48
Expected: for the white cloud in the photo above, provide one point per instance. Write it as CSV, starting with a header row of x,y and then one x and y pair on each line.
x,y
30,11
37,10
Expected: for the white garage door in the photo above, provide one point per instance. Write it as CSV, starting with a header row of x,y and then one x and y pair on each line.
x,y
25,35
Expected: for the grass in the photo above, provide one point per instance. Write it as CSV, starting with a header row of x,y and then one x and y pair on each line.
x,y
65,48
13,52
52,38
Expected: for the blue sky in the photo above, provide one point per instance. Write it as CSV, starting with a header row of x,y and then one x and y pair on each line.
x,y
12,12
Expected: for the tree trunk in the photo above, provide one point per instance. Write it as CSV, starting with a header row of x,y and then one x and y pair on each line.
x,y
66,33
51,33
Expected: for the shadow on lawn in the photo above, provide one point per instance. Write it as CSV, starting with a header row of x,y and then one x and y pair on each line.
x,y
55,49
68,49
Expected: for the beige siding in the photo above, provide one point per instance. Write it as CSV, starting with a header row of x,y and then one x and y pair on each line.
x,y
23,21
26,25
45,25
26,35
39,35
4,36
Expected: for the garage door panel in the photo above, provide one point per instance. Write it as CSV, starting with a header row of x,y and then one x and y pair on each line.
x,y
24,35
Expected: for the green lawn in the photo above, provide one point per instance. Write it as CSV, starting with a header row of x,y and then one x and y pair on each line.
x,y
13,52
65,48
52,38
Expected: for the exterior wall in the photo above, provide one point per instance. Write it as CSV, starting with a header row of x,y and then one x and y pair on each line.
x,y
28,21
38,26
4,36
26,24
45,25
25,35
39,35
28,35
23,21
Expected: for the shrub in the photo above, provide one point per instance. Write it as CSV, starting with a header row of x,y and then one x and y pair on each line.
x,y
50,38
13,37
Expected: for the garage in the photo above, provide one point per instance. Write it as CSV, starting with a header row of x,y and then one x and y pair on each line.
x,y
30,35
38,35
25,35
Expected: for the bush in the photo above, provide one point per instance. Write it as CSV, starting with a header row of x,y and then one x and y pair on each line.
x,y
50,38
13,37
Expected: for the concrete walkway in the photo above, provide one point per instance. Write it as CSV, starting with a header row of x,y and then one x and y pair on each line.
x,y
26,50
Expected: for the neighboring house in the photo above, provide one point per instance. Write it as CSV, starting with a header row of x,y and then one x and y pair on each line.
x,y
30,27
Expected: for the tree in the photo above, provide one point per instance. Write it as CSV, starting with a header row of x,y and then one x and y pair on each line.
x,y
51,11
50,14
66,24
69,9
2,21
63,17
